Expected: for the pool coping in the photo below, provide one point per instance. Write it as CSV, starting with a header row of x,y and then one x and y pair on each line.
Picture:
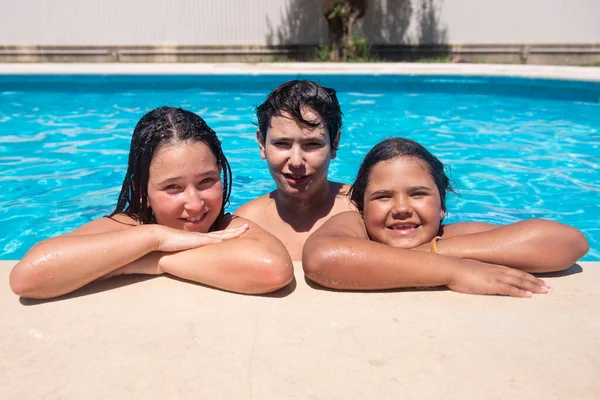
x,y
161,338
506,70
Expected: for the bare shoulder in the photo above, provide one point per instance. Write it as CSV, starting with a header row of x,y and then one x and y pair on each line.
x,y
235,221
465,228
255,209
342,197
106,224
346,223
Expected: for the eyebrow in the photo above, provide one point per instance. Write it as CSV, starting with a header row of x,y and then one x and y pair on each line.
x,y
383,191
390,191
319,136
176,178
421,188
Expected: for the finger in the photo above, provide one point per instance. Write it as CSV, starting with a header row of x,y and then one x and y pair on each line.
x,y
533,278
527,282
229,233
513,291
239,228
225,235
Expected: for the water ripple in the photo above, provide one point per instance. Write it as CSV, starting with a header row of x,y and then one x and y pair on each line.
x,y
63,151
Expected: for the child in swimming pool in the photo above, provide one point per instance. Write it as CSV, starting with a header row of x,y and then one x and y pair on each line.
x,y
400,192
299,132
170,218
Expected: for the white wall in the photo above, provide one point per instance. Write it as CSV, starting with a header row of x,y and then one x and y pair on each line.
x,y
151,22
262,22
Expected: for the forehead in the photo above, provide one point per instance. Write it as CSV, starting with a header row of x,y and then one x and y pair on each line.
x,y
285,125
182,155
399,172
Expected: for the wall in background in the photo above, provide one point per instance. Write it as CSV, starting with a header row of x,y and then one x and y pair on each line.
x,y
242,28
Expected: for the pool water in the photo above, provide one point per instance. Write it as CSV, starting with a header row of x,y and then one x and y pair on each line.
x,y
517,148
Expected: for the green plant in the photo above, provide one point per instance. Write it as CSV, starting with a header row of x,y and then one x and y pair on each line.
x,y
360,50
322,53
342,16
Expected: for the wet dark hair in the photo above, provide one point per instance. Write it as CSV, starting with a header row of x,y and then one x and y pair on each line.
x,y
393,148
292,97
158,128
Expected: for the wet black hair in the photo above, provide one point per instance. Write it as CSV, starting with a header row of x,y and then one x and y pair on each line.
x,y
393,148
292,97
158,128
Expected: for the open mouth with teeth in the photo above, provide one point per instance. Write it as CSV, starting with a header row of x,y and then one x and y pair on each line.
x,y
296,179
194,220
403,228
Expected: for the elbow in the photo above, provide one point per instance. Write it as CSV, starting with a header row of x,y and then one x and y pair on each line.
x,y
270,274
23,282
574,247
315,263
578,243
30,277
18,281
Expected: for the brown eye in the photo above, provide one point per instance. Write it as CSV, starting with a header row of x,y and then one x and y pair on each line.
x,y
172,188
207,180
382,197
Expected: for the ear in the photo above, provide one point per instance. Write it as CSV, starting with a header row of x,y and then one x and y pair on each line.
x,y
261,144
442,214
335,144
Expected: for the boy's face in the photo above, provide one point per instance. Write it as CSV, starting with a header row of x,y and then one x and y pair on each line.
x,y
298,155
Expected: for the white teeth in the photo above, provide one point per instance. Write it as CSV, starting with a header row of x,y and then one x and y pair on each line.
x,y
404,227
195,219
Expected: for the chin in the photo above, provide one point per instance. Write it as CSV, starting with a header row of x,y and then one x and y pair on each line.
x,y
404,244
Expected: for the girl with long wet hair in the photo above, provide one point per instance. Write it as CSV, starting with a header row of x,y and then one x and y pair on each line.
x,y
170,218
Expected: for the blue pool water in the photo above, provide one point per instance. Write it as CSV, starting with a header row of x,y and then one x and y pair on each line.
x,y
517,148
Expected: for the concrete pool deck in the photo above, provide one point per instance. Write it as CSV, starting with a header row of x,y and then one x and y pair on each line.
x,y
528,71
158,337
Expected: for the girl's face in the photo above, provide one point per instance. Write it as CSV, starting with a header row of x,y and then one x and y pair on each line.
x,y
298,156
402,205
184,186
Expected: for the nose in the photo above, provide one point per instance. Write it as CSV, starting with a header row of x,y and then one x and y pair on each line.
x,y
401,207
296,157
193,200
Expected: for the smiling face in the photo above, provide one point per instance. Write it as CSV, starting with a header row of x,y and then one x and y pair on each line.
x,y
184,187
298,155
402,205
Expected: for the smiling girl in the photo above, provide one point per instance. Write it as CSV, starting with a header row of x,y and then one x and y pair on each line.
x,y
170,218
400,193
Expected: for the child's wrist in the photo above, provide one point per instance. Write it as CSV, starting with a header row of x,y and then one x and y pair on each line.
x,y
433,245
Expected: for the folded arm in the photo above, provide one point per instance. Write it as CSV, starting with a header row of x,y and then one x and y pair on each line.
x,y
339,255
533,245
108,247
255,262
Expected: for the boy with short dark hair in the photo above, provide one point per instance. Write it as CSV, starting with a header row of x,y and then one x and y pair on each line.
x,y
299,131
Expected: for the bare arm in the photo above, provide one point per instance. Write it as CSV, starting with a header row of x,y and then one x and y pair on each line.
x,y
255,262
339,255
533,245
62,264
102,248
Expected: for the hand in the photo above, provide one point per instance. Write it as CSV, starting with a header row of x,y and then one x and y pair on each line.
x,y
474,277
176,240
